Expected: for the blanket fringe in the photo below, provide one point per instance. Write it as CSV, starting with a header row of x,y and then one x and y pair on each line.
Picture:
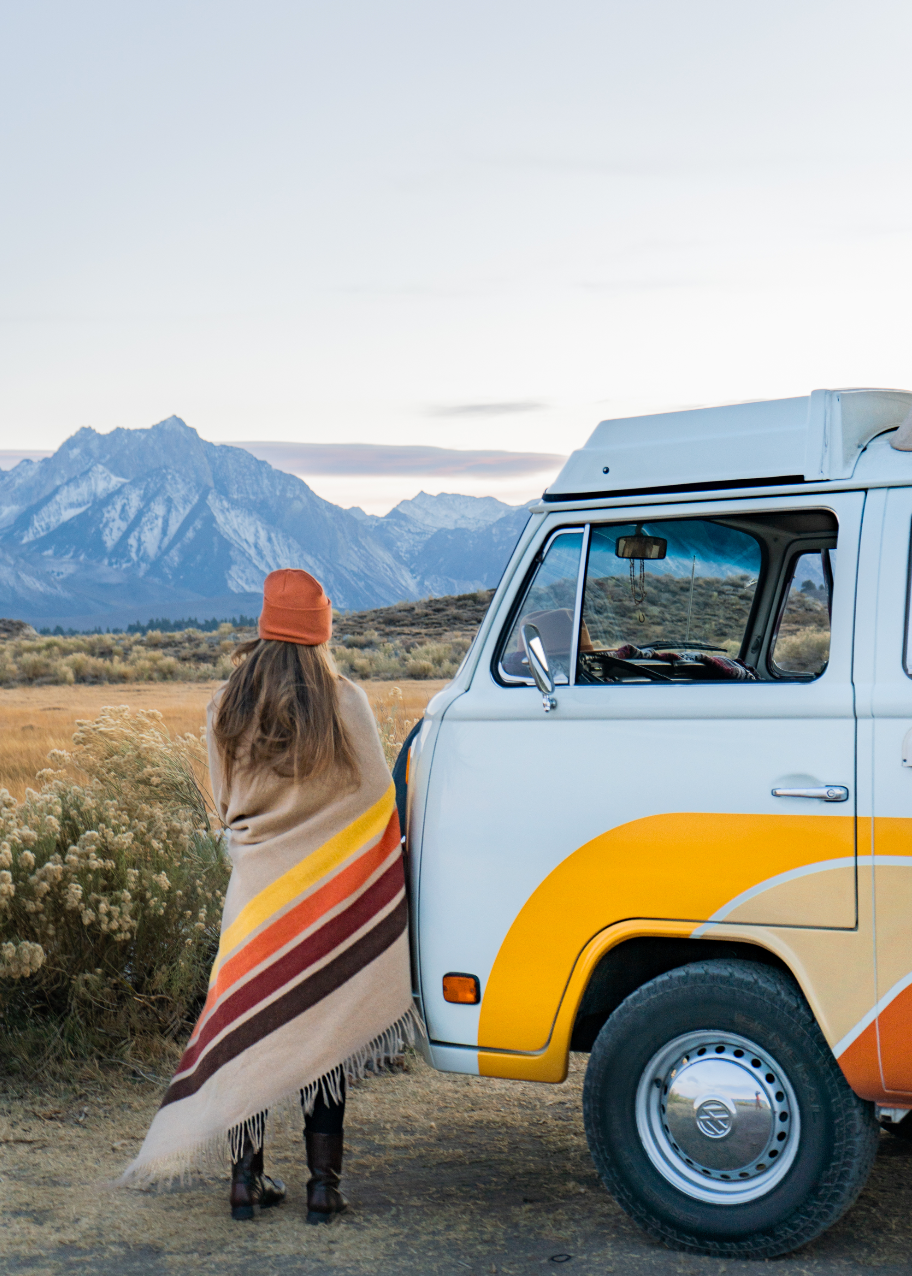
x,y
209,1158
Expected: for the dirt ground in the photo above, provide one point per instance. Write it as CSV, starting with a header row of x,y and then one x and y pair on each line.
x,y
445,1174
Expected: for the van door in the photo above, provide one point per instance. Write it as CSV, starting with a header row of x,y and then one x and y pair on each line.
x,y
699,765
885,732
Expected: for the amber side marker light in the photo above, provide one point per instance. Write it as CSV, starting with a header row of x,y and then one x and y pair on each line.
x,y
463,989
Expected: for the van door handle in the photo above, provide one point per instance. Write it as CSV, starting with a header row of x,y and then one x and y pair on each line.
x,y
825,793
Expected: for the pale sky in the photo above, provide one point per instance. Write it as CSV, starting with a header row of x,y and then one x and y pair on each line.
x,y
484,225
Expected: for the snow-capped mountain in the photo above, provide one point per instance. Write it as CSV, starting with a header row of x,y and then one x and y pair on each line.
x,y
451,544
116,526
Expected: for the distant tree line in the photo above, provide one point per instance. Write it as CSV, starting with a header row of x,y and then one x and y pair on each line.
x,y
161,624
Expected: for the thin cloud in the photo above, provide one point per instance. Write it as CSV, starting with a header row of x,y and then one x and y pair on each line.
x,y
12,456
378,459
366,459
651,285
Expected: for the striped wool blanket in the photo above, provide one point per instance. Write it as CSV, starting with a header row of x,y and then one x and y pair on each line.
x,y
311,982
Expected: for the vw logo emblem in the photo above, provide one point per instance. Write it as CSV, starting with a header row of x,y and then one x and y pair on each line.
x,y
715,1118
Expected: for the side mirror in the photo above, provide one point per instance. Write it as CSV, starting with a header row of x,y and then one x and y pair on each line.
x,y
538,664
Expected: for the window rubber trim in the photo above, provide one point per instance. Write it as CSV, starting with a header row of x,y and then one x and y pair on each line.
x,y
578,609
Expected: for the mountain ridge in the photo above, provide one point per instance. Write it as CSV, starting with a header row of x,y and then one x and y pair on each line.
x,y
160,520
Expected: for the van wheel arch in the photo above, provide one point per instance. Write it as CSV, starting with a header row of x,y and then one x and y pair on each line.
x,y
630,964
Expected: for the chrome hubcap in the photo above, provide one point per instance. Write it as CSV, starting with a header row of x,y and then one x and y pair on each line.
x,y
718,1117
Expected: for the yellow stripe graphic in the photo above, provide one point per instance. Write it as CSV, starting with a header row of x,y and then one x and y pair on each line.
x,y
310,870
645,868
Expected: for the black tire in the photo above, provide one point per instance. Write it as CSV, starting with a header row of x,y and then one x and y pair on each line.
x,y
835,1137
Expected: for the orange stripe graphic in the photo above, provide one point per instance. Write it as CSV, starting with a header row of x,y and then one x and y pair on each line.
x,y
861,1066
895,1032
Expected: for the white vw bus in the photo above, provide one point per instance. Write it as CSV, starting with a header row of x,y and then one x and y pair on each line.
x,y
662,814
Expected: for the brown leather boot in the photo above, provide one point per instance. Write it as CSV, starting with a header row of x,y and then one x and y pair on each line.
x,y
250,1186
324,1160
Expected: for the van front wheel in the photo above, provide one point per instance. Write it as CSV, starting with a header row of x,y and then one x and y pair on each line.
x,y
718,1117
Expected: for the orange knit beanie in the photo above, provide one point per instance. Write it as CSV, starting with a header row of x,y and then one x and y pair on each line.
x,y
295,608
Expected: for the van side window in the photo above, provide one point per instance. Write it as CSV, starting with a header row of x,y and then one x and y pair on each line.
x,y
802,641
550,605
669,600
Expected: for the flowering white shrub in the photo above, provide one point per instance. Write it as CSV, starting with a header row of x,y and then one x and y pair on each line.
x,y
18,960
111,888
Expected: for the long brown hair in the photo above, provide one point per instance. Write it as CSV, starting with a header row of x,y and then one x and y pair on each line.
x,y
280,710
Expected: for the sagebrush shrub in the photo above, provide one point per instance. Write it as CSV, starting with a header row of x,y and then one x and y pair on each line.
x,y
369,638
806,651
99,658
111,890
435,659
388,660
191,655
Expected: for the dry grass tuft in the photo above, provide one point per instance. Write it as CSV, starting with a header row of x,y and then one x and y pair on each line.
x,y
395,719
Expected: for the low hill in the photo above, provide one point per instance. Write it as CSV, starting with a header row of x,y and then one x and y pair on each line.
x,y
425,639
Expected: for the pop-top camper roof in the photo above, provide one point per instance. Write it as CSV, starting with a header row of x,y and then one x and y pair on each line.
x,y
813,438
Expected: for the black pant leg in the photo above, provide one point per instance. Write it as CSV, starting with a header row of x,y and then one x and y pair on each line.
x,y
327,1117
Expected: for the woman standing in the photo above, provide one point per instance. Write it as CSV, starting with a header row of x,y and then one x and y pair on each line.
x,y
311,981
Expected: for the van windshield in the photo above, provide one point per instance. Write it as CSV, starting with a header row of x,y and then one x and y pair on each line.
x,y
695,594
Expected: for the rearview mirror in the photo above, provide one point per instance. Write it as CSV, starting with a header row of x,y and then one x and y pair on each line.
x,y
640,546
538,664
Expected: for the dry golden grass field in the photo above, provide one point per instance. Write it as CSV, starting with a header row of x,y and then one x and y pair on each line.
x,y
34,720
